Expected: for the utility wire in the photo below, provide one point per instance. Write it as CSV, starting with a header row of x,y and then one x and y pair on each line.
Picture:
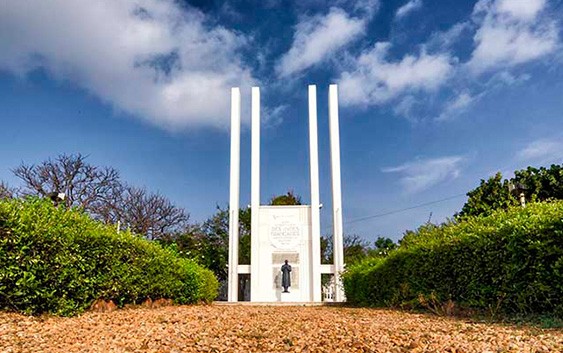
x,y
402,209
355,220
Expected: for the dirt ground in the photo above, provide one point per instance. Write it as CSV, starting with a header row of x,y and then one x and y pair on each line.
x,y
224,328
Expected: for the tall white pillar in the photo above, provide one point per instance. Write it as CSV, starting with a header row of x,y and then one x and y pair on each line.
x,y
234,196
338,240
315,255
255,195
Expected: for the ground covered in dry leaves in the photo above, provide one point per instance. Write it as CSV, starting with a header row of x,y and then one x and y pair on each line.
x,y
224,328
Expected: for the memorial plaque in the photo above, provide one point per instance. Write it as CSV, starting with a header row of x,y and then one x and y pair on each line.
x,y
280,257
285,231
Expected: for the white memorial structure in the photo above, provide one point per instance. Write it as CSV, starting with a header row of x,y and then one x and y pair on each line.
x,y
280,233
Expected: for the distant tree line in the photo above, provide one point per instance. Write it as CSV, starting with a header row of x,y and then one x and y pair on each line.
x,y
102,193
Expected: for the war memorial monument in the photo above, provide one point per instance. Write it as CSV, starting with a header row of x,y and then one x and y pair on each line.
x,y
285,235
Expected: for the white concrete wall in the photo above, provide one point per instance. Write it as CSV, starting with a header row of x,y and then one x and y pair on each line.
x,y
272,219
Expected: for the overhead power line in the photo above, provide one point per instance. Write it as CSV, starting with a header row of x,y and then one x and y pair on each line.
x,y
355,220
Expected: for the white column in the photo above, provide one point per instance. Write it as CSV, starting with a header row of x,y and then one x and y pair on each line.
x,y
234,196
255,195
336,190
315,255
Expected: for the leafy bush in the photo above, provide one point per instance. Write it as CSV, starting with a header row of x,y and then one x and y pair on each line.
x,y
59,261
510,261
537,184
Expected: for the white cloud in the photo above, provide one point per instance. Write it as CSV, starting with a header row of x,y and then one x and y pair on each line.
x,y
368,7
409,7
318,37
373,79
506,33
521,9
505,78
420,175
445,39
406,106
151,58
542,151
510,33
273,116
456,106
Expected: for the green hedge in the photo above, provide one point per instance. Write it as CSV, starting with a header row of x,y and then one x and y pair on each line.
x,y
510,261
59,261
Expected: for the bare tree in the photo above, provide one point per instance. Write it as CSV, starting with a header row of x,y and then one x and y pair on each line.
x,y
99,191
90,187
6,192
149,214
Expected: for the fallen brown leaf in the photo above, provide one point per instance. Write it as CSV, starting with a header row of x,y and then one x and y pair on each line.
x,y
243,328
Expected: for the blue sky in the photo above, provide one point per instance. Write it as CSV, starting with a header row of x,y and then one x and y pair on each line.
x,y
434,96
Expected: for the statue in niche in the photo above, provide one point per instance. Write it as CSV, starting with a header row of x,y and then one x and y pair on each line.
x,y
286,278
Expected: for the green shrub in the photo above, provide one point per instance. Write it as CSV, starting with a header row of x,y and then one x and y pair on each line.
x,y
59,261
510,261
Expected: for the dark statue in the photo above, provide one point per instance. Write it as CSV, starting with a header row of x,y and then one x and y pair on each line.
x,y
286,278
